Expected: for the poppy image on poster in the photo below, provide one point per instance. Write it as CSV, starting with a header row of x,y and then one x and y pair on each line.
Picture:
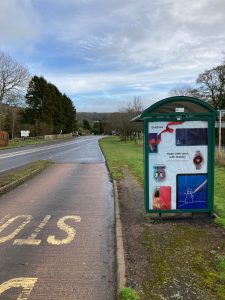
x,y
162,197
153,142
191,191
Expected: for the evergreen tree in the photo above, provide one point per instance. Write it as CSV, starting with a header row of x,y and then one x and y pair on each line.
x,y
35,98
86,125
47,109
96,128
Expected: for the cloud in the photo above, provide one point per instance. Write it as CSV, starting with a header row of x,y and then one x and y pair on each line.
x,y
102,50
99,91
106,82
18,21
143,33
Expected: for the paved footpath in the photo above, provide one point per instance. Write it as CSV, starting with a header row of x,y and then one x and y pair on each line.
x,y
57,236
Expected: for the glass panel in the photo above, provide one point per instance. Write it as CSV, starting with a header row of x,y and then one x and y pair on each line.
x,y
178,165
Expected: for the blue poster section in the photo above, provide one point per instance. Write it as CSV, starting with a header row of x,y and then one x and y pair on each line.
x,y
191,191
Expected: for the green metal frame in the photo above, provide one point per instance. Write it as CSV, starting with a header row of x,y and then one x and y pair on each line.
x,y
150,110
149,116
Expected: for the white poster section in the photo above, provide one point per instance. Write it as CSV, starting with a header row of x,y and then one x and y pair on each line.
x,y
178,155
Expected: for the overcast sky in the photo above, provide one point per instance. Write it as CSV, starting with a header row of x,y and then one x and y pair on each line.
x,y
102,53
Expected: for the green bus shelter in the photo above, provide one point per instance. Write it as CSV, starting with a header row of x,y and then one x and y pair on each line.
x,y
179,143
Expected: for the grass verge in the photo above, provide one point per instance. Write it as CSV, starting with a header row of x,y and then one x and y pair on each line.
x,y
220,191
12,178
182,259
28,142
120,155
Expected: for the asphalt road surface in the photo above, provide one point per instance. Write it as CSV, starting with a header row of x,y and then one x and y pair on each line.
x,y
57,229
79,150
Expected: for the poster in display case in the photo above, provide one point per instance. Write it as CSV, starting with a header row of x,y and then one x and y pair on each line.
x,y
177,165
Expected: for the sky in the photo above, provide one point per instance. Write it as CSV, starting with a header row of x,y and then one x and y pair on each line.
x,y
103,53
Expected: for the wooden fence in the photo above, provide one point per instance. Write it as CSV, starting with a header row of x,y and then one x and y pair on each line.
x,y
220,157
51,137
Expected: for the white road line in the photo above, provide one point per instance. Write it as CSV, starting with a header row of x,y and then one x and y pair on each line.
x,y
5,170
24,152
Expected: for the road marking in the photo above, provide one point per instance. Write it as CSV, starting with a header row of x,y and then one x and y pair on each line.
x,y
2,221
29,151
17,230
66,228
5,170
26,283
31,239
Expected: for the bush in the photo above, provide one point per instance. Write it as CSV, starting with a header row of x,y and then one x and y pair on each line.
x,y
128,294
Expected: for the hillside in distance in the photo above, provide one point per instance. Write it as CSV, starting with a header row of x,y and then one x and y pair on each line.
x,y
93,116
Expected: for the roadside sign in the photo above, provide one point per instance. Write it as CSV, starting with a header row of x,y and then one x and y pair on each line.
x,y
24,133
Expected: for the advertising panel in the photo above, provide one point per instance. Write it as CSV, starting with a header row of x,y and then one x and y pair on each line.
x,y
178,165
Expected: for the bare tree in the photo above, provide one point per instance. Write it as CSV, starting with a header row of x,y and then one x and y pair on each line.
x,y
14,102
212,86
14,78
137,105
122,120
185,90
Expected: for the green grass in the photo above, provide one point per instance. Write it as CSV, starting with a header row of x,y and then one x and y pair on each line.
x,y
19,174
221,265
220,191
220,221
128,294
184,254
122,155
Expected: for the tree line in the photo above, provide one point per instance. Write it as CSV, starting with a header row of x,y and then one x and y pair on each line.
x,y
32,103
116,123
97,127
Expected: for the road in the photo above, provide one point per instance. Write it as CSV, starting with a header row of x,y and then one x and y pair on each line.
x,y
80,150
57,229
